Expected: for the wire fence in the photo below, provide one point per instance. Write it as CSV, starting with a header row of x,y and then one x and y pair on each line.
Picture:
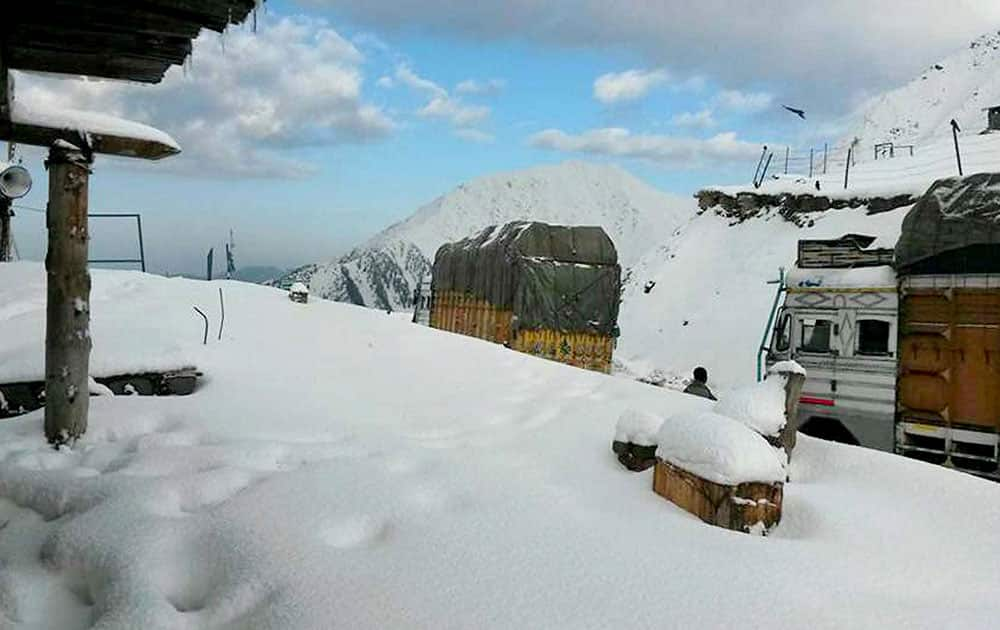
x,y
883,162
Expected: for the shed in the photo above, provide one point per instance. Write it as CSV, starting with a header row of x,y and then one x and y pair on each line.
x,y
113,39
992,118
548,290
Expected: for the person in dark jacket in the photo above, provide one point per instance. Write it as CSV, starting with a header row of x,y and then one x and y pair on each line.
x,y
699,386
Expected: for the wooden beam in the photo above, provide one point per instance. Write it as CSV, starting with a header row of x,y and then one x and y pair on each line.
x,y
67,329
107,144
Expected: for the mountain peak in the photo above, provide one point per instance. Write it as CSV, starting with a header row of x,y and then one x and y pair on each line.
x,y
384,271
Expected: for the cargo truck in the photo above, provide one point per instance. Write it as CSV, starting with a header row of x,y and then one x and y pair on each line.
x,y
902,344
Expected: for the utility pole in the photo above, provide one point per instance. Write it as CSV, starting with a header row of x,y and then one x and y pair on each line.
x,y
6,254
958,154
67,332
847,166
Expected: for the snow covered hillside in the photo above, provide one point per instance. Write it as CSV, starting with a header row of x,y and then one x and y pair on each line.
x,y
710,302
919,112
384,271
364,472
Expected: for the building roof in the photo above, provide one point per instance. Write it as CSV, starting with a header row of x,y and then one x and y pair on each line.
x,y
134,40
131,40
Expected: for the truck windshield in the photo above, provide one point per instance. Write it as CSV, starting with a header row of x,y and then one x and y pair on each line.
x,y
815,335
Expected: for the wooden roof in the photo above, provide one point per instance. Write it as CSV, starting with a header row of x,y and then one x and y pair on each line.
x,y
131,40
134,40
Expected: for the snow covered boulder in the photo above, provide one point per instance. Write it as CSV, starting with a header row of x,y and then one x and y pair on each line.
x,y
720,470
770,407
635,439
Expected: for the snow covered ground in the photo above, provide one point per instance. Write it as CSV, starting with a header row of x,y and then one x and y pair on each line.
x,y
339,467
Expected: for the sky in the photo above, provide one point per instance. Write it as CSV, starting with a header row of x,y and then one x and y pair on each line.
x,y
331,120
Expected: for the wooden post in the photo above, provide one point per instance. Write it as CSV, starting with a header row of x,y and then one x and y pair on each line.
x,y
67,333
6,254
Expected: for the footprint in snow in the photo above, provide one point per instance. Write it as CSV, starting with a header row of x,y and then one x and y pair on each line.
x,y
357,531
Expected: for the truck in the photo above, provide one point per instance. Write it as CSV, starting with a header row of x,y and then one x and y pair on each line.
x,y
901,343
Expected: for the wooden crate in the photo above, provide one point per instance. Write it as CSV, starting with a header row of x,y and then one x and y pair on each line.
x,y
746,507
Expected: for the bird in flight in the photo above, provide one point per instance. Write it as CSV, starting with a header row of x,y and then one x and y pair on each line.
x,y
798,112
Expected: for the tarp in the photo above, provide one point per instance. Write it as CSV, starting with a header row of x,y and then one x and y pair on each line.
x,y
555,277
953,228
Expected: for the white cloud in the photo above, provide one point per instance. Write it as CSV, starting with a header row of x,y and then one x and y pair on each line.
x,y
619,87
488,87
444,106
696,120
475,135
457,113
409,78
746,102
385,82
295,82
680,152
822,53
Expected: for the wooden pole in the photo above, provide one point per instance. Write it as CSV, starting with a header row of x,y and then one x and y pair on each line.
x,y
5,248
67,333
847,166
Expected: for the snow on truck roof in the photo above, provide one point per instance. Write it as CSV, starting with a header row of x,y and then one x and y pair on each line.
x,y
881,277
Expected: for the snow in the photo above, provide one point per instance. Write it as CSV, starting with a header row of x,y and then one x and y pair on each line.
x,y
638,427
787,367
760,406
718,448
878,277
45,115
298,287
128,338
340,467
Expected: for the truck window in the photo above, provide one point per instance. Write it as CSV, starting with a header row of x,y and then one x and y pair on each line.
x,y
873,337
816,335
783,333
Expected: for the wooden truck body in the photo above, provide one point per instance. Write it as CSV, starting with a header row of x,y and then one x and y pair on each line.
x,y
550,291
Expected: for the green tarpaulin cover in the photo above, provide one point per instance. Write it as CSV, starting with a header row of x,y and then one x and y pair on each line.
x,y
953,228
554,277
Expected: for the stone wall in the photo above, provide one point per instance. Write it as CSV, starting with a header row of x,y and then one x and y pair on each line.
x,y
794,208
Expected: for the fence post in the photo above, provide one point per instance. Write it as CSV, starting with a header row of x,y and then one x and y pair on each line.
x,y
786,159
847,167
824,157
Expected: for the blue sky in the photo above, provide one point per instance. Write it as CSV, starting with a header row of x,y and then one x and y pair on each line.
x,y
334,120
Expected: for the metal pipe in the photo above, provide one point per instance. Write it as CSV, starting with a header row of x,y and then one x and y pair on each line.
x,y
222,308
204,340
770,319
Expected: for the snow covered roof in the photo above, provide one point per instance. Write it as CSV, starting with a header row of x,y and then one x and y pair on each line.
x,y
298,287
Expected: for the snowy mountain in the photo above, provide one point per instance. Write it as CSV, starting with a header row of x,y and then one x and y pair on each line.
x,y
958,87
384,271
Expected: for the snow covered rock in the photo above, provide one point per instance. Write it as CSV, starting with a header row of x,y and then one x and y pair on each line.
x,y
760,406
635,439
